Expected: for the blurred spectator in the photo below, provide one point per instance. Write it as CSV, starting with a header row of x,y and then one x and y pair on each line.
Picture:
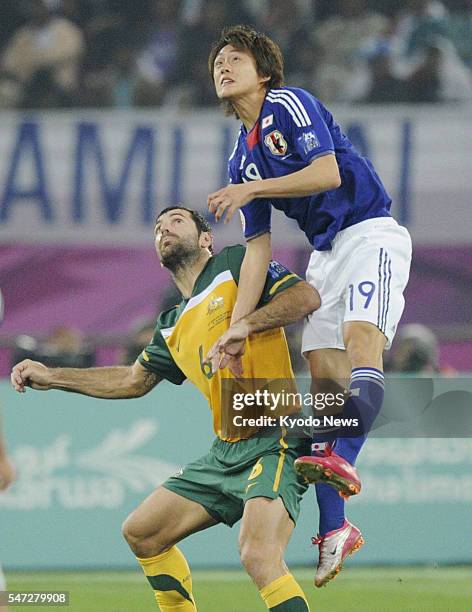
x,y
284,21
339,40
383,86
126,53
196,41
460,28
64,347
419,23
415,350
140,337
170,297
411,61
10,21
424,82
157,62
115,84
124,80
425,57
40,64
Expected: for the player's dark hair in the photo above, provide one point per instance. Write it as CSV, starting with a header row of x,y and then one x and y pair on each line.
x,y
266,53
201,223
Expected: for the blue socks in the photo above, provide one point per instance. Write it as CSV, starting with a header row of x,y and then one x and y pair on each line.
x,y
366,393
331,507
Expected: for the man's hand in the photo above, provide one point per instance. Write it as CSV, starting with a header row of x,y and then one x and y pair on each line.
x,y
229,199
229,348
110,382
7,473
32,374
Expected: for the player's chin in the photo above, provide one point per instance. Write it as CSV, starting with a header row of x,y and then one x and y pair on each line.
x,y
226,93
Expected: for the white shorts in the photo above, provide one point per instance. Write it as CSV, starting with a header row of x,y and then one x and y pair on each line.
x,y
362,278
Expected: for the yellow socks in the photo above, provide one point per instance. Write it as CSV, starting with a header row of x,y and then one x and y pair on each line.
x,y
284,595
169,576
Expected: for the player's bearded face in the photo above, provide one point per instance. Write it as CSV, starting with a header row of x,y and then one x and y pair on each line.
x,y
177,240
176,252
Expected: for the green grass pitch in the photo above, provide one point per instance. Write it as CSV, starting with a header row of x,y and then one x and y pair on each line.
x,y
396,589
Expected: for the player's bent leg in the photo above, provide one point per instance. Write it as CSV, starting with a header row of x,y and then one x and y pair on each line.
x,y
364,345
330,370
337,537
152,530
163,519
328,364
265,531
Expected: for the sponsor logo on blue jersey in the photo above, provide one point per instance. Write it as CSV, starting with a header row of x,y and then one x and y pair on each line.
x,y
309,141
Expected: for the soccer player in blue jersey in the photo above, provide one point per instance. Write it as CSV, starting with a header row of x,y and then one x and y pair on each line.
x,y
292,155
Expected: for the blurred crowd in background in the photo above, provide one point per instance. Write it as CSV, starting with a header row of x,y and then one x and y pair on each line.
x,y
153,53
125,53
416,349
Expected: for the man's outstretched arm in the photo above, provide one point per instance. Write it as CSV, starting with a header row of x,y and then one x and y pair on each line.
x,y
116,382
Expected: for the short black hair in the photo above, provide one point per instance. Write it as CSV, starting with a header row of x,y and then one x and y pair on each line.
x,y
201,223
266,53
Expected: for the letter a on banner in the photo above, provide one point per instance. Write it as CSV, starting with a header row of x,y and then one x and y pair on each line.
x,y
27,145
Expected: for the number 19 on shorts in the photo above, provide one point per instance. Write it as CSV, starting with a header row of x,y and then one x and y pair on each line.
x,y
363,292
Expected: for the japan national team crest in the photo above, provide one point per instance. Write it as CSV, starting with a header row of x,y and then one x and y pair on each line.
x,y
276,143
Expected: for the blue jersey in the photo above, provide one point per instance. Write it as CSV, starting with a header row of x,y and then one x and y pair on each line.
x,y
294,129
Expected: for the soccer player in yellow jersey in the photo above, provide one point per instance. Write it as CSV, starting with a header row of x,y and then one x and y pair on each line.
x,y
244,475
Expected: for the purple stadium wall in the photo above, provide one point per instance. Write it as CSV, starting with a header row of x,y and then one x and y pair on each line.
x,y
102,290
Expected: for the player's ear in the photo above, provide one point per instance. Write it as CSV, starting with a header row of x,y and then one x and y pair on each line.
x,y
206,240
264,79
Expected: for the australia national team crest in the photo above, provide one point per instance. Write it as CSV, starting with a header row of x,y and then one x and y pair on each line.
x,y
215,304
276,143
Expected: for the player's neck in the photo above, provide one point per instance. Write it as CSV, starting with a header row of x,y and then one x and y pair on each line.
x,y
186,275
249,107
